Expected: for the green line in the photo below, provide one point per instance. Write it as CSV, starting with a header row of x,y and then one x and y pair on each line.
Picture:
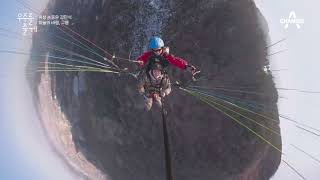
x,y
85,46
76,54
268,118
67,59
79,70
251,111
232,90
252,120
104,58
69,65
57,48
258,135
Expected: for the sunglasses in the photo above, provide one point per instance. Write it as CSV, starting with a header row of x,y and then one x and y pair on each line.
x,y
156,50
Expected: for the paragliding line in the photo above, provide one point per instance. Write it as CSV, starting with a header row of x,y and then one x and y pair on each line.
x,y
304,129
311,156
240,123
233,118
275,43
296,171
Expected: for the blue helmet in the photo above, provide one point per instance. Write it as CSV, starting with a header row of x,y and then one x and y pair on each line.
x,y
156,43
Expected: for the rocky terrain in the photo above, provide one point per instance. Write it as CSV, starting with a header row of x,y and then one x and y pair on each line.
x,y
96,121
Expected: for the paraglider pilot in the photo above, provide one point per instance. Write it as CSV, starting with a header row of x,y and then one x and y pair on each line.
x,y
154,82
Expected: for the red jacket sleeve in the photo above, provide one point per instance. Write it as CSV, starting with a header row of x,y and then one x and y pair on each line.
x,y
179,62
145,57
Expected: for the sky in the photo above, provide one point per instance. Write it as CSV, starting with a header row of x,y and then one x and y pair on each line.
x,y
25,153
302,63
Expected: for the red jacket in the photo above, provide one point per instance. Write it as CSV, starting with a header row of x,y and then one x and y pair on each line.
x,y
179,62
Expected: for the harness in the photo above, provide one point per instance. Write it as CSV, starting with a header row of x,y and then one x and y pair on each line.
x,y
155,88
157,59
